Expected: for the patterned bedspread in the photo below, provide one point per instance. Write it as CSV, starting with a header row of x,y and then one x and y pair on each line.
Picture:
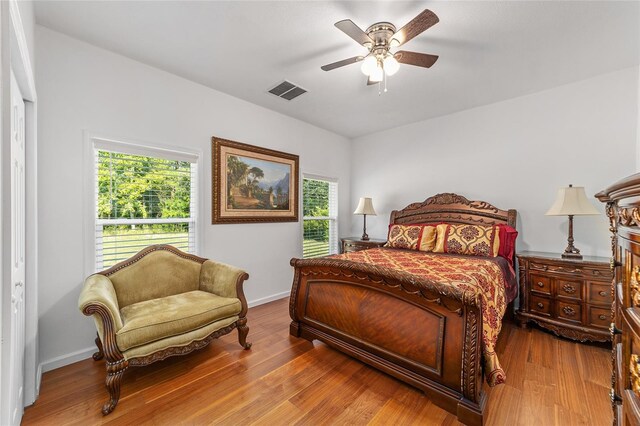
x,y
480,275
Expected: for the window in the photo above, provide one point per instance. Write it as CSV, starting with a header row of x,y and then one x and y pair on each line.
x,y
142,197
320,216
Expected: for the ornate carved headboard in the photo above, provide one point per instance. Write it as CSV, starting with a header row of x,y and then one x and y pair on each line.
x,y
453,208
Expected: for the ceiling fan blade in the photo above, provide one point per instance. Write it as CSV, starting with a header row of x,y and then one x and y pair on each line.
x,y
355,32
414,58
420,23
342,63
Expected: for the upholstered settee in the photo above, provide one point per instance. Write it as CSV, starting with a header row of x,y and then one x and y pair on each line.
x,y
159,303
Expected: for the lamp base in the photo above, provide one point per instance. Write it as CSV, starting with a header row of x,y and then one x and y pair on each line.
x,y
569,255
571,252
365,236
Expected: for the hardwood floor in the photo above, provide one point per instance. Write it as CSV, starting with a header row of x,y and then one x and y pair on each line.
x,y
283,380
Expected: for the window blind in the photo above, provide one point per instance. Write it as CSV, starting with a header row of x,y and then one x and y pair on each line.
x,y
320,217
142,200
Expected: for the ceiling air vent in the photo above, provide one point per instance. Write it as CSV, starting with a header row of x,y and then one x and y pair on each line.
x,y
287,90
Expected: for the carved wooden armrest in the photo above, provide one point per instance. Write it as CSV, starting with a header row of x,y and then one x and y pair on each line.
x,y
224,280
98,298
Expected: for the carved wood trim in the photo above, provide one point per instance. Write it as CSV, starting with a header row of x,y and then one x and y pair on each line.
x,y
554,268
142,253
294,292
634,286
109,344
181,350
471,370
571,333
453,208
115,362
634,374
240,294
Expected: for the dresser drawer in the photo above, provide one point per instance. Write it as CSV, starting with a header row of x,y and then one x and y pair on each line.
x,y
597,274
599,317
569,311
540,305
569,289
540,284
599,293
569,270
349,247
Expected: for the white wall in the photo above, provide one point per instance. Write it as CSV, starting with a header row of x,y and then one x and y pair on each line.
x,y
82,87
514,154
28,23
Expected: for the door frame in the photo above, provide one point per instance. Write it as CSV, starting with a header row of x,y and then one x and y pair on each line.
x,y
14,55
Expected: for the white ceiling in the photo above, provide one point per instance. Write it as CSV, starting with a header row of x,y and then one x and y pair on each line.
x,y
489,51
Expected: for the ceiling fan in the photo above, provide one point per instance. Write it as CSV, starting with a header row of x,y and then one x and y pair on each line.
x,y
380,38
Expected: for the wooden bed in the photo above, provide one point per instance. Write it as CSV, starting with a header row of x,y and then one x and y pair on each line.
x,y
426,334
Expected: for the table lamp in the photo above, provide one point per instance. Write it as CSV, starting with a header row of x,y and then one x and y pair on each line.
x,y
571,201
365,207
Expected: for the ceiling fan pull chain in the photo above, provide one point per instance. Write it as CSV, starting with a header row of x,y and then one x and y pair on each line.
x,y
385,82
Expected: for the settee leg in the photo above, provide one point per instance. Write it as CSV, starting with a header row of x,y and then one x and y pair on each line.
x,y
243,330
97,356
115,371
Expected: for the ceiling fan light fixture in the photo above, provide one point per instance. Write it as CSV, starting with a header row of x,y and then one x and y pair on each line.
x,y
377,75
369,65
391,65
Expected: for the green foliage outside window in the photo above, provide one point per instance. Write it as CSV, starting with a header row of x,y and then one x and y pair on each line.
x,y
138,187
316,204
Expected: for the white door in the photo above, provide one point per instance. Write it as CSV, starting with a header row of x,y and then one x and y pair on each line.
x,y
16,357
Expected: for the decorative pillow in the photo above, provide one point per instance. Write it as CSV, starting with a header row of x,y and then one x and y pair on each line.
x,y
474,240
412,237
508,237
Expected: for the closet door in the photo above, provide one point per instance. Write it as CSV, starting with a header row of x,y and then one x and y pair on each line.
x,y
18,234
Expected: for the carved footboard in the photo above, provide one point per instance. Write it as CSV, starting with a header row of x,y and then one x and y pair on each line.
x,y
423,333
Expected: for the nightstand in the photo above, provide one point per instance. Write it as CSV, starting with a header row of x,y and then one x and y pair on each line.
x,y
571,297
356,244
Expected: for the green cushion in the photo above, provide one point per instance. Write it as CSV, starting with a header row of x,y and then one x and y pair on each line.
x,y
179,340
151,320
160,273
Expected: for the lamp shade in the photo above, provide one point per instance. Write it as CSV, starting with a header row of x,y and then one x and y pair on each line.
x,y
572,200
365,206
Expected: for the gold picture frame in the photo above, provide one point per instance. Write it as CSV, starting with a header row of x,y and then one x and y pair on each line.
x,y
251,184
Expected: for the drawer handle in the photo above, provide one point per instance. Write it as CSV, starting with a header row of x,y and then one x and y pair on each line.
x,y
568,288
568,310
614,330
602,293
596,272
615,399
602,317
540,284
614,264
540,305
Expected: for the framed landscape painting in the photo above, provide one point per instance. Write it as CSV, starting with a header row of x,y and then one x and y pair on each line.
x,y
253,184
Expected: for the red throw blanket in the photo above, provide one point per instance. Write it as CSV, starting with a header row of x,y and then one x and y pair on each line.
x,y
482,276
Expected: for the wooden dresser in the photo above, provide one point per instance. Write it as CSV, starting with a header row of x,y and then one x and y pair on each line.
x,y
356,244
570,297
623,209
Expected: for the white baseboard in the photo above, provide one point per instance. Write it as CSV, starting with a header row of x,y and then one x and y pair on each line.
x,y
268,299
67,359
62,360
